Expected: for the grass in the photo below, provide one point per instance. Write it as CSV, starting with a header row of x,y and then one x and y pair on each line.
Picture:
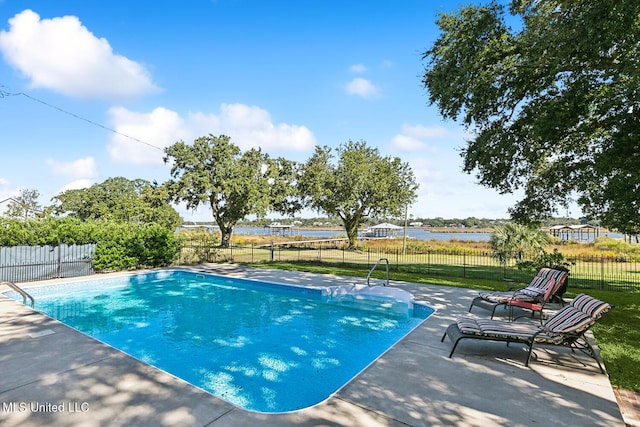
x,y
452,260
617,334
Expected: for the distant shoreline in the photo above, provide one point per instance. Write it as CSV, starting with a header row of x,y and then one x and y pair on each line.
x,y
427,229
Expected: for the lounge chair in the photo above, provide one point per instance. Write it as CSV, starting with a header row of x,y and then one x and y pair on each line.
x,y
566,328
548,285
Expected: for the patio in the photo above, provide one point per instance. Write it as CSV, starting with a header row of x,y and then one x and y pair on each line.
x,y
74,380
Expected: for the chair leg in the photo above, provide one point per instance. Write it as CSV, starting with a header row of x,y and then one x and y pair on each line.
x,y
529,353
455,344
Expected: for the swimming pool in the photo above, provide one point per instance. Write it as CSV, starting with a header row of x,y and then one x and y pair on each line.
x,y
261,346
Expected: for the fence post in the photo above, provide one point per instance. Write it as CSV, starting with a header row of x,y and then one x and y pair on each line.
x,y
271,247
464,264
252,261
59,269
398,259
602,285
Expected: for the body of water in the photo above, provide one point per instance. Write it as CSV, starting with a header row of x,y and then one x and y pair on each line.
x,y
412,233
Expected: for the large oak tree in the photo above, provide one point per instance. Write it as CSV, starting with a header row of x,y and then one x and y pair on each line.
x,y
234,184
119,199
356,185
549,90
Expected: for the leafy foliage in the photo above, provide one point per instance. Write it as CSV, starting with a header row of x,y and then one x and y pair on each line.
x,y
119,199
123,246
234,184
46,231
552,102
361,184
519,242
199,245
118,245
24,206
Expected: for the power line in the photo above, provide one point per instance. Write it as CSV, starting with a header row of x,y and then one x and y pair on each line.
x,y
4,94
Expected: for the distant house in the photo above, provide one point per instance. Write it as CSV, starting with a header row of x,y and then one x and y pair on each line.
x,y
580,233
208,227
280,229
382,230
415,224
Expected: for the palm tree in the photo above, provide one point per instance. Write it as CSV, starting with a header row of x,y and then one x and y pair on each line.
x,y
518,242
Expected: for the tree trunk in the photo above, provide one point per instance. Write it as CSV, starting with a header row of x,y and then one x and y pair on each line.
x,y
353,237
226,236
351,227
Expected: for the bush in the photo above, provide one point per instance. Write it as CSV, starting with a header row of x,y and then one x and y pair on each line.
x,y
123,246
47,231
201,245
119,245
546,259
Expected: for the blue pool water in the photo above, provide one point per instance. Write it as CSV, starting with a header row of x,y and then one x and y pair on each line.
x,y
261,346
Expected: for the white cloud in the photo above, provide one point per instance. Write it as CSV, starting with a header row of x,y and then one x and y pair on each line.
x,y
80,168
415,138
77,185
357,68
407,143
146,135
63,55
253,127
362,87
7,190
248,127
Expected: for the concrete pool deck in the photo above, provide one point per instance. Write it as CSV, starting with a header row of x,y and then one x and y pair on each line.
x,y
51,374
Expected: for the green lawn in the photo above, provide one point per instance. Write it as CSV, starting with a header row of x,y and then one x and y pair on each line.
x,y
617,334
586,273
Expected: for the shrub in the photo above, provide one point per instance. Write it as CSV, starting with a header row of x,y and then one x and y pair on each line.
x,y
123,246
200,244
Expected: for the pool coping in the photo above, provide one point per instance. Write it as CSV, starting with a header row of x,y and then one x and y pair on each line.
x,y
412,384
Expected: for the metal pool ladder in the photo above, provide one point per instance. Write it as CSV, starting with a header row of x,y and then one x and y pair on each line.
x,y
374,267
19,290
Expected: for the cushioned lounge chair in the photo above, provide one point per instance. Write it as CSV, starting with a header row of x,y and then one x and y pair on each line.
x,y
548,285
566,328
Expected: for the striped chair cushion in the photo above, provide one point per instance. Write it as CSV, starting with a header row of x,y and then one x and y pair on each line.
x,y
568,320
542,287
545,287
499,297
549,273
497,328
591,306
541,277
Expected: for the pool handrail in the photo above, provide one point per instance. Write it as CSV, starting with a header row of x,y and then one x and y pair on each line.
x,y
374,267
19,290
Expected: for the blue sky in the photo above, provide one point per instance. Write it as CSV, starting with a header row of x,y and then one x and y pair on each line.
x,y
282,75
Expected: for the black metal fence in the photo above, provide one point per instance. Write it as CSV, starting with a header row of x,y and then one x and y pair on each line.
x,y
31,263
594,272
